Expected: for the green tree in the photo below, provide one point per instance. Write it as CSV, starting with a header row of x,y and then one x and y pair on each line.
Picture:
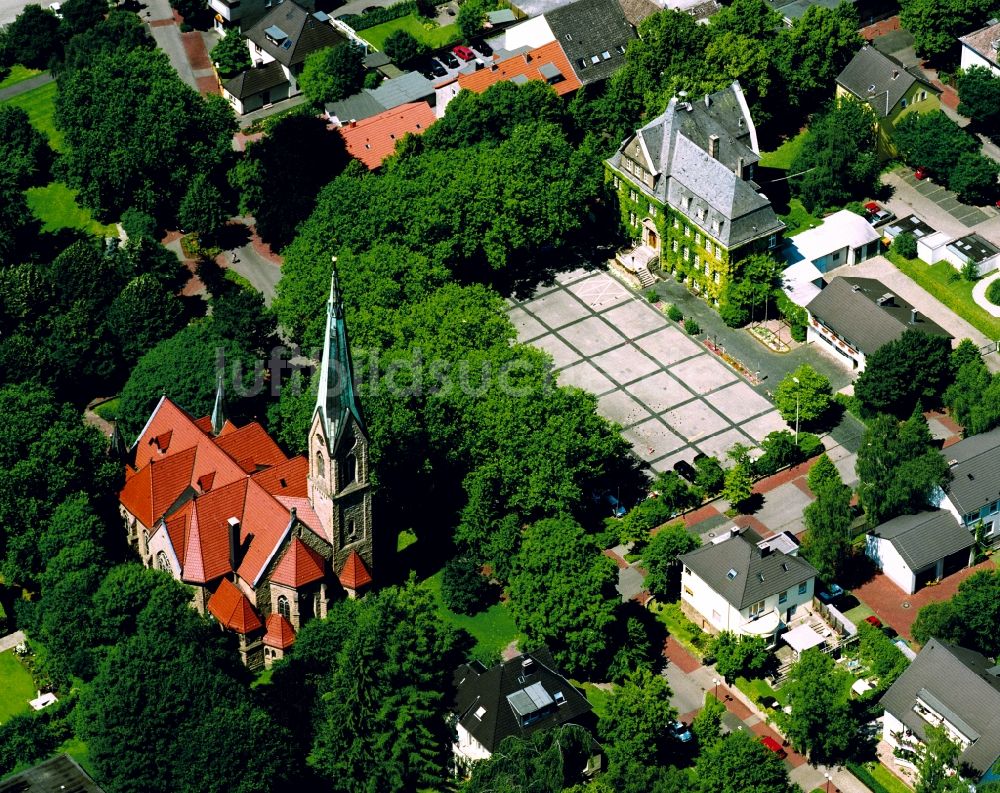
x,y
933,141
736,656
822,473
547,761
821,723
969,618
937,24
937,758
751,292
827,543
899,468
120,32
464,588
905,244
202,209
739,486
332,74
881,654
79,16
710,477
128,321
402,47
33,39
979,92
239,314
707,724
838,160
636,725
914,368
966,393
780,450
231,55
652,512
470,19
24,151
562,592
738,763
659,557
974,178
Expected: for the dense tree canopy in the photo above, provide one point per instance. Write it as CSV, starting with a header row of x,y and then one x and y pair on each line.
x,y
33,39
136,135
821,723
914,368
827,543
547,761
971,618
659,558
937,24
636,726
979,92
933,141
738,763
804,395
739,655
332,74
231,54
974,397
24,151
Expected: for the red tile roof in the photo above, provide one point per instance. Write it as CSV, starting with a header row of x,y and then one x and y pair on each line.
x,y
354,574
299,566
233,609
280,633
153,489
373,139
251,447
526,64
285,479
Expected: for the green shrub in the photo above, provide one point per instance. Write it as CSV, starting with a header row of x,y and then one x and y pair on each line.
x,y
733,315
810,445
675,313
651,296
798,332
905,245
379,15
464,588
691,326
993,292
780,450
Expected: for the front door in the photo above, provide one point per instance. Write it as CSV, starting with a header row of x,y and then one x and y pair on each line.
x,y
651,239
265,98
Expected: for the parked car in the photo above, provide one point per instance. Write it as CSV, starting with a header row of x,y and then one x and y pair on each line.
x,y
437,69
449,59
874,621
832,592
774,746
681,732
464,52
921,173
878,214
482,48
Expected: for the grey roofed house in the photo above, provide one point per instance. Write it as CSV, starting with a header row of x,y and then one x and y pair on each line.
x,y
866,313
973,248
59,774
926,537
517,697
975,471
409,87
744,574
879,80
797,8
637,10
911,224
593,34
289,33
678,148
959,685
254,81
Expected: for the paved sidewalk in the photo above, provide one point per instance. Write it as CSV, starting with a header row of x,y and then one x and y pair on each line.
x,y
11,640
26,85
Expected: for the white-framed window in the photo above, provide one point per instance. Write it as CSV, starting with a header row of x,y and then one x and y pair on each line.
x,y
283,608
803,587
757,609
595,58
628,164
632,219
706,268
697,238
716,276
162,562
633,195
616,182
718,252
772,241
715,226
652,211
687,231
673,246
701,214
687,253
677,223
621,48
697,262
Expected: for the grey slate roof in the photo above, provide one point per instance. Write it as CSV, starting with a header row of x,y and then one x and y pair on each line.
x,y
637,10
678,144
926,537
305,34
254,81
855,315
912,224
759,574
975,471
477,687
60,774
879,80
408,87
588,28
958,683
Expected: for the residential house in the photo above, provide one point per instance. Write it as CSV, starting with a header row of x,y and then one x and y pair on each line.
x,y
951,687
406,89
594,35
746,588
973,494
889,89
982,48
853,317
792,10
264,541
519,697
373,139
244,14
842,238
913,550
279,43
547,63
685,187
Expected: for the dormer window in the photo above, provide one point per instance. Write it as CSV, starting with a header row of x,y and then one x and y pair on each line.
x,y
731,575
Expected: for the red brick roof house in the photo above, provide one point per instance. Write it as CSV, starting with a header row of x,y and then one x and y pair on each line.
x,y
264,540
373,139
547,63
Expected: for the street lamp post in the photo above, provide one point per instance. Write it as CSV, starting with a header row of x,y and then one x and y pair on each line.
x,y
716,681
796,381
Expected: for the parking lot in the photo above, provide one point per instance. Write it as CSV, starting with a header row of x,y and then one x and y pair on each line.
x,y
672,397
945,199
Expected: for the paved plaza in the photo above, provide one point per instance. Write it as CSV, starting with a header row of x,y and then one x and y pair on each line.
x,y
672,398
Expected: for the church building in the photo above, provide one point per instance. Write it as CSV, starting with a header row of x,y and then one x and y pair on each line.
x,y
265,541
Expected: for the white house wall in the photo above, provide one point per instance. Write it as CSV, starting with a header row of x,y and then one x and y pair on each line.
x,y
721,615
885,555
972,58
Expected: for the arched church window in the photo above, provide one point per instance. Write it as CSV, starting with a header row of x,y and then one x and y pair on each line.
x,y
320,466
162,562
350,469
283,609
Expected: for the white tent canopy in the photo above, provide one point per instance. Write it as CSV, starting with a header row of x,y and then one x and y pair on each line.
x,y
802,638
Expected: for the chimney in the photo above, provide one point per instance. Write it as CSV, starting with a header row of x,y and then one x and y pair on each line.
x,y
234,542
713,146
354,122
527,666
913,316
765,550
895,73
734,531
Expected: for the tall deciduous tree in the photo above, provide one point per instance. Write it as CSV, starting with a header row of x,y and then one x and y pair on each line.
x,y
659,558
739,486
231,54
974,178
636,725
827,544
202,208
971,618
739,655
332,74
24,151
821,723
546,761
33,39
914,368
937,759
937,24
738,763
933,141
562,592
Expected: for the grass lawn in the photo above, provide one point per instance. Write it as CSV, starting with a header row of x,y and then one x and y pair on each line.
x,y
597,697
757,689
693,638
16,686
40,105
799,219
56,207
858,613
77,749
492,629
783,156
887,779
18,74
405,539
263,677
108,410
956,294
423,31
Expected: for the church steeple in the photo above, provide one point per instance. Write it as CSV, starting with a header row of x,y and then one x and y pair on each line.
x,y
219,408
336,402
